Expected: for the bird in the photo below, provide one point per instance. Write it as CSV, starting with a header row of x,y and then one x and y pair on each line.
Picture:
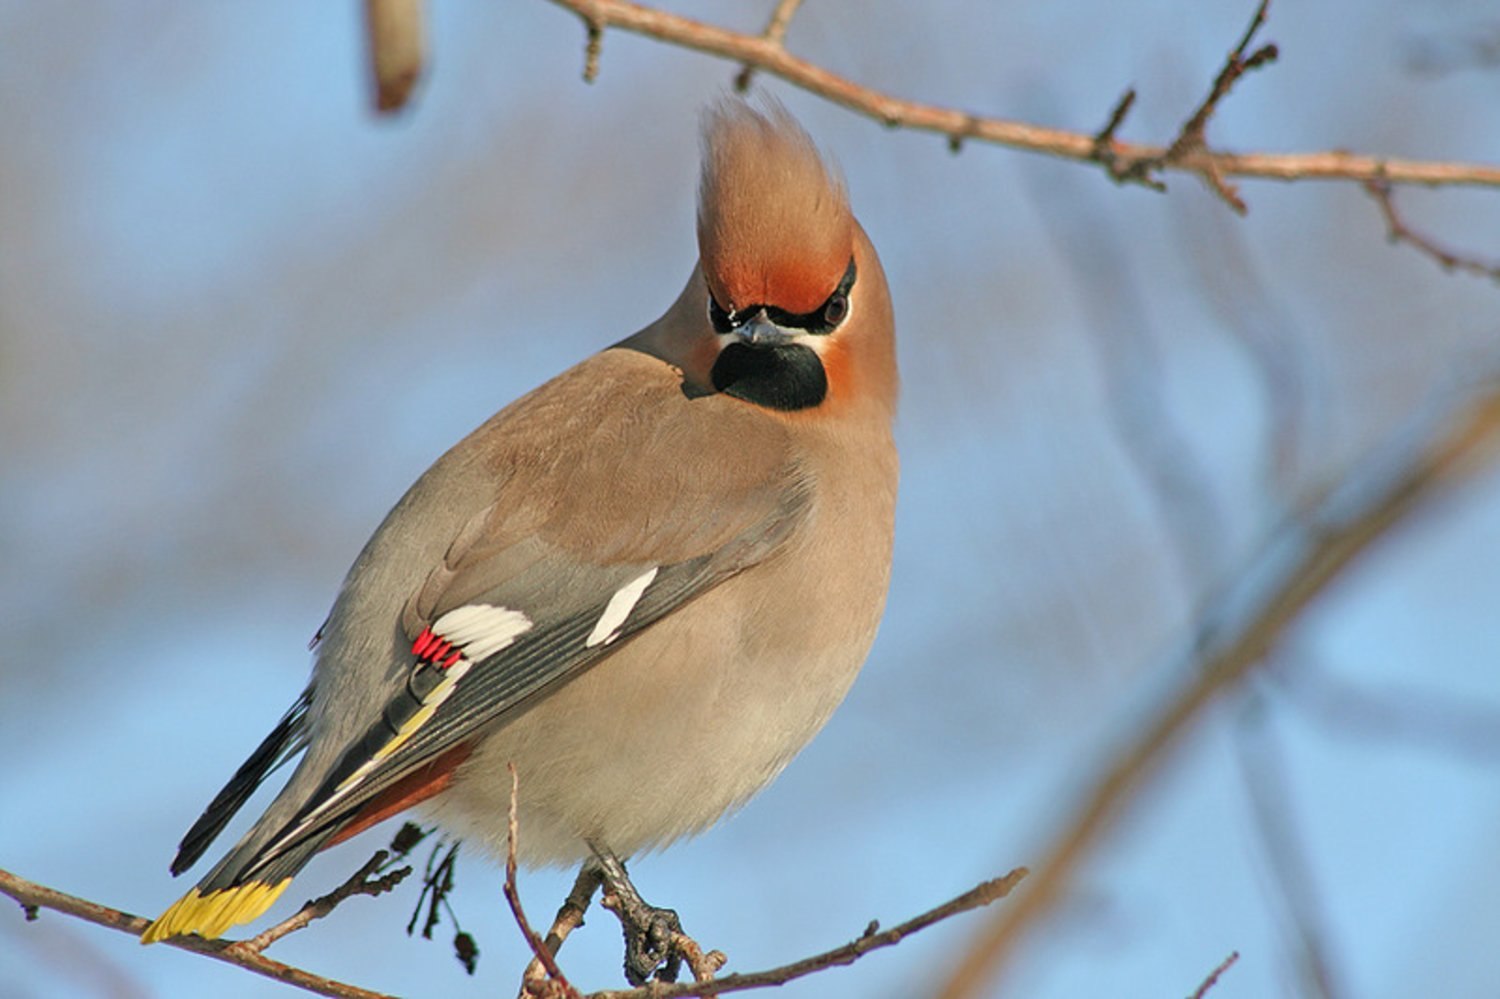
x,y
645,585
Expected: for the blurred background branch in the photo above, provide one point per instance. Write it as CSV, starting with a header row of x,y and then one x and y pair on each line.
x,y
1238,631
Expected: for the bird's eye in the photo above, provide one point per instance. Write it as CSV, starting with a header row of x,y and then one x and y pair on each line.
x,y
722,320
835,309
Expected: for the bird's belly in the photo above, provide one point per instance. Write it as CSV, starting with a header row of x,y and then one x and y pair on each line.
x,y
666,735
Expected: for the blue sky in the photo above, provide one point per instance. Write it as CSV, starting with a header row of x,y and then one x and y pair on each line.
x,y
238,316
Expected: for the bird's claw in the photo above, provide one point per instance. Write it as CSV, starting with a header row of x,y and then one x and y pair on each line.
x,y
651,944
652,934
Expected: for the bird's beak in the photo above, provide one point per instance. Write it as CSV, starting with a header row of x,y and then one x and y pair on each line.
x,y
759,331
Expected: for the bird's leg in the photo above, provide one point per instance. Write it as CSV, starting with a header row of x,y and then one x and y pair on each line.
x,y
650,933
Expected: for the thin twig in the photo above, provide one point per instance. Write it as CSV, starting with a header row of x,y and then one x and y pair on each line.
x,y
33,896
952,123
1192,138
569,918
1213,976
1239,632
873,938
365,881
703,965
1121,169
593,47
775,31
513,895
1193,133
1397,231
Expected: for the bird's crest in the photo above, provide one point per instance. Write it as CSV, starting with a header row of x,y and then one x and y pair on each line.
x,y
774,226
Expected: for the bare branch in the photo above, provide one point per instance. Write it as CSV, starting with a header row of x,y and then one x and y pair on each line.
x,y
1213,976
1239,631
704,966
397,50
366,881
569,917
959,126
513,898
1192,138
33,897
1236,66
775,32
1399,232
873,938
592,49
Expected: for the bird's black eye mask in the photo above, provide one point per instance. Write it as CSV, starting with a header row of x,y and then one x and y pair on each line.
x,y
823,320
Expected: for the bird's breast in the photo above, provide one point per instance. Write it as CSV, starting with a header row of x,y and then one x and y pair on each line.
x,y
695,714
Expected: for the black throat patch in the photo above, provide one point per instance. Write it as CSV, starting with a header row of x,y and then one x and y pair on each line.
x,y
786,377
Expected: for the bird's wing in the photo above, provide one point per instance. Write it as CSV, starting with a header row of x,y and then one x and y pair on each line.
x,y
548,618
286,740
570,561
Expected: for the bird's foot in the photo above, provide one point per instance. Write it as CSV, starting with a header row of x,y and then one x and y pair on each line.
x,y
652,934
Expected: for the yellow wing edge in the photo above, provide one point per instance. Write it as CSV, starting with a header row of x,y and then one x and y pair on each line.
x,y
210,915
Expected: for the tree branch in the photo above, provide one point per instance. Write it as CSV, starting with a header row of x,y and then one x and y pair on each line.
x,y
569,917
873,938
1215,975
539,950
775,31
1397,231
768,55
1239,630
366,881
33,896
1193,136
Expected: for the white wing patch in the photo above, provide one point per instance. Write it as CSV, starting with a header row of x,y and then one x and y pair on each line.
x,y
618,610
481,630
473,632
453,644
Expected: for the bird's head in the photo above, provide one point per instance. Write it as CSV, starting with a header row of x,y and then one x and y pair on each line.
x,y
797,300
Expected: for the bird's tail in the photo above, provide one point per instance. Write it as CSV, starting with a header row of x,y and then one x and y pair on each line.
x,y
227,897
247,881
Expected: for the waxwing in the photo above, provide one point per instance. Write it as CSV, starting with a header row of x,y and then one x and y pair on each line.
x,y
646,584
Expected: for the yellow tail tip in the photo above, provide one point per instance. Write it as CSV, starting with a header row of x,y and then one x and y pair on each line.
x,y
211,914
